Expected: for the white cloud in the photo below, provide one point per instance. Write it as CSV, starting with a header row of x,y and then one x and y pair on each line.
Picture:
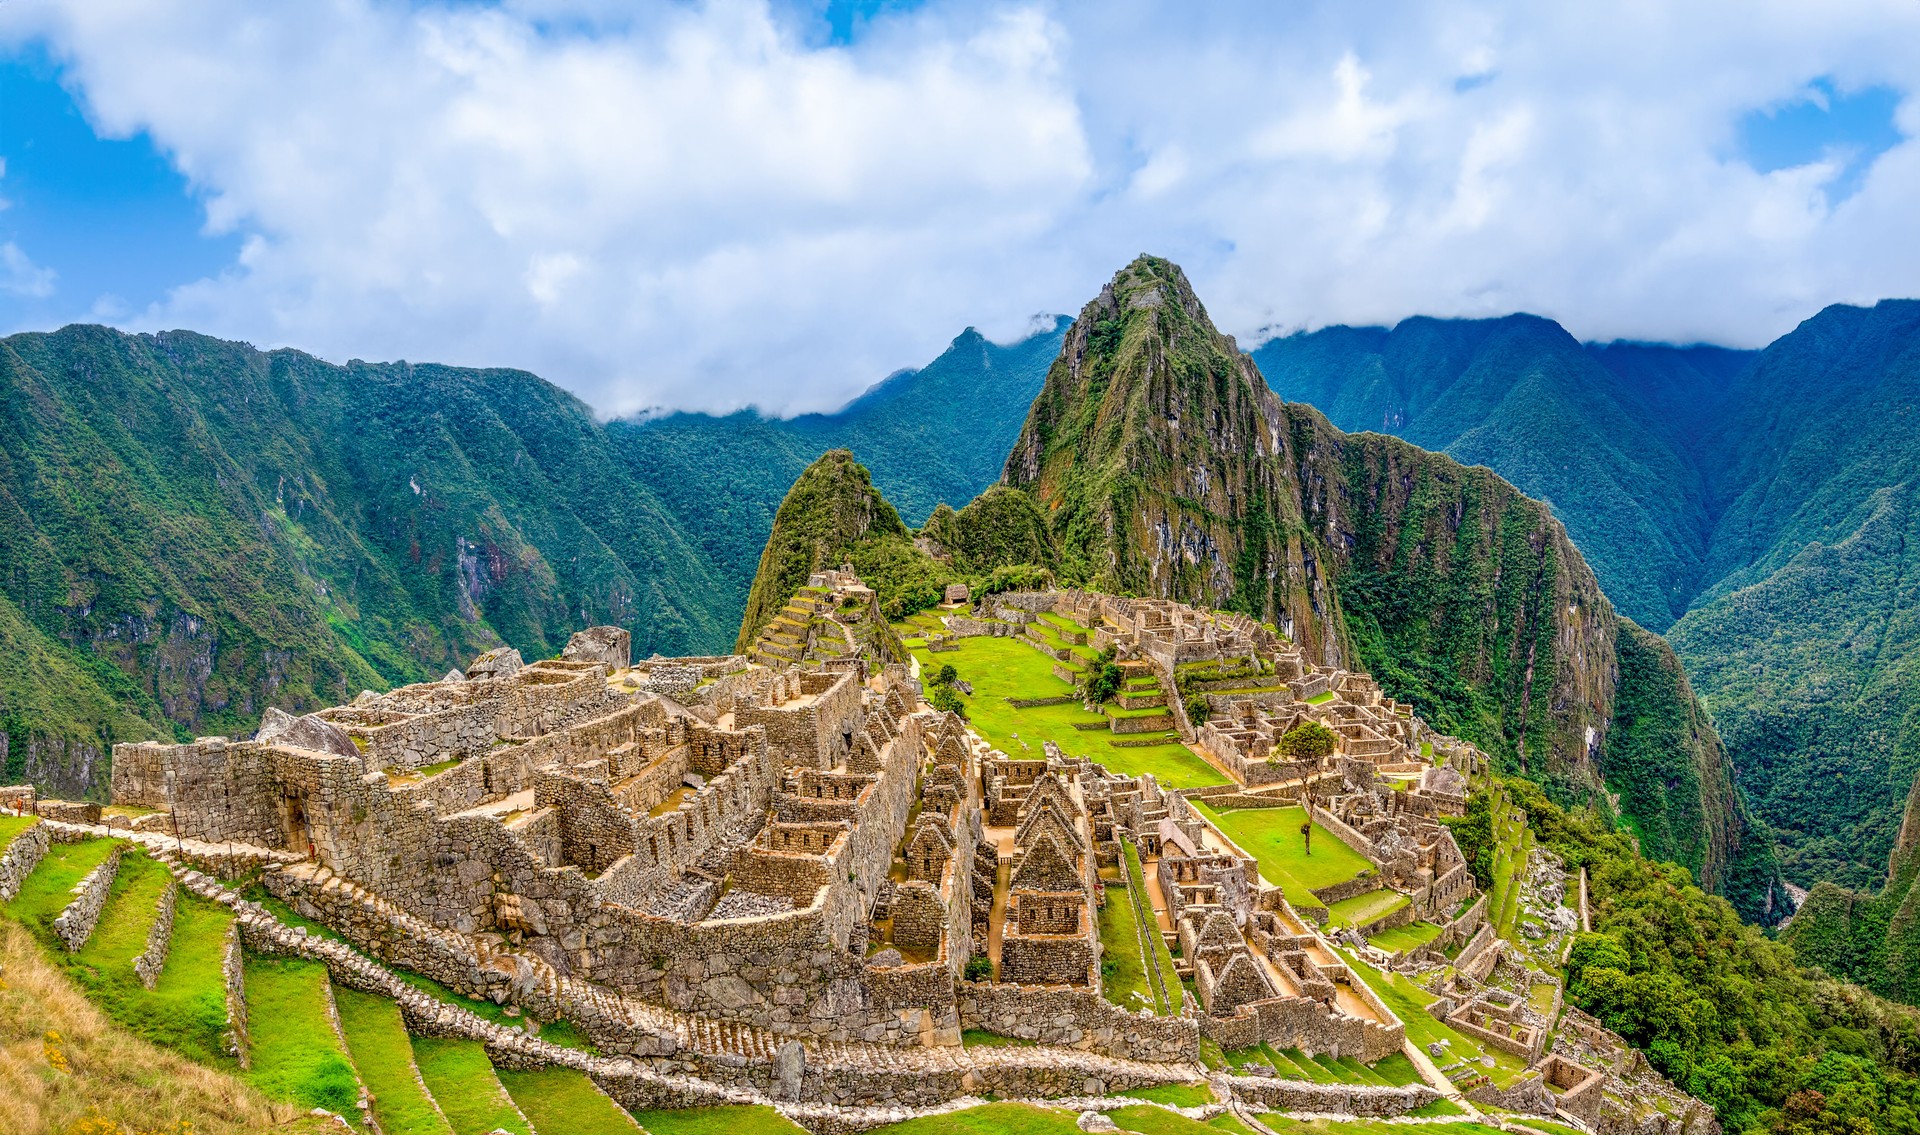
x,y
698,206
20,276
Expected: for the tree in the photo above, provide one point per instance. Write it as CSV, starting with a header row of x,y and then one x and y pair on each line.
x,y
1102,679
945,675
1308,740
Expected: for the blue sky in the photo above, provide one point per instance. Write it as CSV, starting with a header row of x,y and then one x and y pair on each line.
x,y
707,205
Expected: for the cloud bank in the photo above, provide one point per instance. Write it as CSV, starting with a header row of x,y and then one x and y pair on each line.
x,y
704,206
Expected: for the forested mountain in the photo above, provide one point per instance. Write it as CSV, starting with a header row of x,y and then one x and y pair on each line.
x,y
931,435
1758,505
1163,465
192,530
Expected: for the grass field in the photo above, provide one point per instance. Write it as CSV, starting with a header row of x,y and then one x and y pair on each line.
x,y
1405,937
1272,837
461,1079
296,1056
717,1121
1123,977
377,1041
561,1100
1001,668
990,1119
47,891
1362,909
1179,1095
187,1008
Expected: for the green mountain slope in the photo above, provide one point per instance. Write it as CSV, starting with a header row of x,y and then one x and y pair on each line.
x,y
932,435
1605,435
1758,504
191,530
198,530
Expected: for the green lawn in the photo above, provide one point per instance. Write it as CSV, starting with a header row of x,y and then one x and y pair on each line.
x,y
1001,668
1406,937
718,1121
1272,837
1283,1125
561,1101
11,826
187,1009
1362,909
990,1119
1435,1109
1179,1095
1123,973
461,1079
47,891
377,1041
1149,1120
296,1056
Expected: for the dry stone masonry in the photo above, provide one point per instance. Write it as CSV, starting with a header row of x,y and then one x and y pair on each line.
x,y
783,877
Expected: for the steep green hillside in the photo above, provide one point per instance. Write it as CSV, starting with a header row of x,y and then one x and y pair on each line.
x,y
191,530
1871,938
1605,435
1758,503
1168,467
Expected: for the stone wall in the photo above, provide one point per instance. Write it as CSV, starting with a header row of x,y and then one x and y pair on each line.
x,y
1339,1099
233,973
153,959
75,924
20,857
1076,1017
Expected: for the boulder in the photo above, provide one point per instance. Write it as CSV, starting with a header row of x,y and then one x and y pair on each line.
x,y
278,727
610,645
500,662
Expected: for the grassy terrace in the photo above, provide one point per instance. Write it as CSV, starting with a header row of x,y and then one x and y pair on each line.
x,y
296,1056
1138,969
1001,668
1406,937
187,1008
11,826
1408,1002
48,890
563,1100
377,1040
1362,909
1123,971
461,1079
718,1121
1272,837
1513,841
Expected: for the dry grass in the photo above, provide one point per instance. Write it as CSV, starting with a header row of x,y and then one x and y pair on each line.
x,y
66,1070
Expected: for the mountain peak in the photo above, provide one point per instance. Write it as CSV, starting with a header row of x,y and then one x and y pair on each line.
x,y
831,508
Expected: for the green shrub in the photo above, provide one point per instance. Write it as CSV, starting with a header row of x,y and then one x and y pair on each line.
x,y
1199,709
978,968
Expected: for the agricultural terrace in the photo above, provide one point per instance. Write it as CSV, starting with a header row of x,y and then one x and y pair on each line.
x,y
1272,837
1002,668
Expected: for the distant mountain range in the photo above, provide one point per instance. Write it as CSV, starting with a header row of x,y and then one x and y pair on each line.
x,y
381,522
